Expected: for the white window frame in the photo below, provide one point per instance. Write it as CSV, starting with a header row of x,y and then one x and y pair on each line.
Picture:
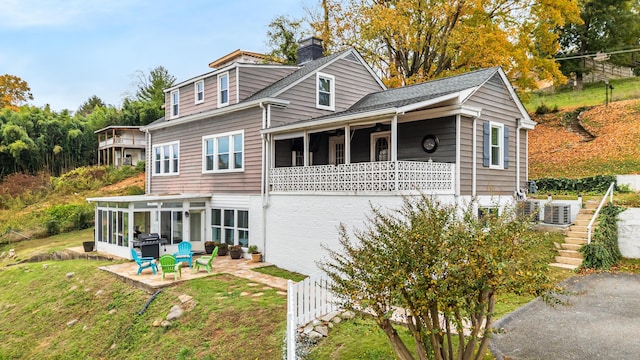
x,y
214,139
159,167
197,91
500,146
174,110
235,228
374,138
332,90
220,89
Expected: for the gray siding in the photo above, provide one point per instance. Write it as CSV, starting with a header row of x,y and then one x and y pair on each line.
x,y
254,78
466,154
410,137
187,96
497,106
352,82
191,179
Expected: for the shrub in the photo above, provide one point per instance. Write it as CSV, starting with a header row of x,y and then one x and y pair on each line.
x,y
595,184
68,217
134,190
603,252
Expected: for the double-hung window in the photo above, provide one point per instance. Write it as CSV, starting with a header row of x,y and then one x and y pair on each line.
x,y
223,89
495,148
230,226
223,152
325,94
166,159
199,91
175,103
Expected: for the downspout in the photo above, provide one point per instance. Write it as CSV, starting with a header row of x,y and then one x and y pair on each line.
x,y
263,181
474,153
458,156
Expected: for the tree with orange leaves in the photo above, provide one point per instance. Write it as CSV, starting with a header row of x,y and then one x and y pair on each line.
x,y
13,92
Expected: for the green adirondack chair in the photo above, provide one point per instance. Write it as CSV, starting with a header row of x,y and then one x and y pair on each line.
x,y
205,261
169,265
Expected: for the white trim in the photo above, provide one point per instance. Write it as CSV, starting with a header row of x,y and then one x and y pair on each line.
x,y
501,145
372,144
214,138
215,112
332,91
237,84
196,92
172,96
458,154
219,89
162,160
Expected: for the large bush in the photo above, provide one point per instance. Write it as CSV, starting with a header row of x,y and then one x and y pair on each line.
x,y
603,251
61,218
592,184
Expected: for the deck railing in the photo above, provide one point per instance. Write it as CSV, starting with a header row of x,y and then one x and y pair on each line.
x,y
381,176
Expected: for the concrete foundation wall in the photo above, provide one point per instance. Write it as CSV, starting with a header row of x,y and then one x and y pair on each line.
x,y
628,230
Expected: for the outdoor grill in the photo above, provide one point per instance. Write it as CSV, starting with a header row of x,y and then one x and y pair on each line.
x,y
149,244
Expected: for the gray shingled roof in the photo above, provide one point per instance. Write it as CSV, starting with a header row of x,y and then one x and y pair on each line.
x,y
416,93
305,70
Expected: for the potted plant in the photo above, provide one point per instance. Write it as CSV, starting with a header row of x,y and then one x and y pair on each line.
x,y
88,246
209,246
223,248
235,251
256,255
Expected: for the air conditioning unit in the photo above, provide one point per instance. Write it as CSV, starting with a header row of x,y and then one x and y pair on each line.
x,y
558,214
530,209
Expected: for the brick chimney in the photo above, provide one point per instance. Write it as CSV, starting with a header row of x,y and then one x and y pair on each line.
x,y
309,49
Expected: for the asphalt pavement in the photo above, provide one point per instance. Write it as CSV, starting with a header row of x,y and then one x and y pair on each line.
x,y
601,321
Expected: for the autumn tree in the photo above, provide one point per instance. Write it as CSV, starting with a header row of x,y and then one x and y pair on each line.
x,y
444,267
283,36
13,91
412,41
603,26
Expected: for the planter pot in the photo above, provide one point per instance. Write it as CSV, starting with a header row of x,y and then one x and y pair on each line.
x,y
256,257
88,246
209,248
222,251
235,254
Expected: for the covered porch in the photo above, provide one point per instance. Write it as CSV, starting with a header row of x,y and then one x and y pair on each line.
x,y
399,152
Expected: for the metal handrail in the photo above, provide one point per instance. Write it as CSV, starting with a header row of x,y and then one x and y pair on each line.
x,y
595,215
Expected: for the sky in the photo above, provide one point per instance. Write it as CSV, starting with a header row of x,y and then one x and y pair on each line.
x,y
70,50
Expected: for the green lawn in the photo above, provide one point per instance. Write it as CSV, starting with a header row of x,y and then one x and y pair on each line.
x,y
593,94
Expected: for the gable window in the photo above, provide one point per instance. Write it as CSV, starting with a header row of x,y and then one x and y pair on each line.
x,y
175,103
199,91
325,94
223,89
495,145
230,226
223,152
166,159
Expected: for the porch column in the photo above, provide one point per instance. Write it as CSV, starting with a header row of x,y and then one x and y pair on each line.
x,y
347,144
394,138
306,148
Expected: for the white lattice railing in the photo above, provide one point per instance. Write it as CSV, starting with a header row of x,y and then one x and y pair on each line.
x,y
380,176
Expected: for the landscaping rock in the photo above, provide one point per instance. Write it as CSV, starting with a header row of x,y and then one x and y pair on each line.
x,y
244,293
70,275
99,292
336,320
112,311
307,329
85,328
12,253
72,322
45,266
74,287
165,323
322,330
184,298
174,313
314,336
257,294
329,316
347,315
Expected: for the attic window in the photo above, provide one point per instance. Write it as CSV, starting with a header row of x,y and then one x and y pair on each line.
x,y
325,95
223,89
199,91
175,103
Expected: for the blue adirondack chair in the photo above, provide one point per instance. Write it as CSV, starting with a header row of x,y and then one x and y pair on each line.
x,y
144,262
184,253
205,261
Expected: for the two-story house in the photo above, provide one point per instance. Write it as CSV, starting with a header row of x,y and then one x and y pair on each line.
x,y
278,156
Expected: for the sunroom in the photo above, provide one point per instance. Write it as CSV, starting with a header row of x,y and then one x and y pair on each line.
x,y
409,149
175,218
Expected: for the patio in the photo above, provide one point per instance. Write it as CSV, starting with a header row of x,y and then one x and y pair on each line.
x,y
242,268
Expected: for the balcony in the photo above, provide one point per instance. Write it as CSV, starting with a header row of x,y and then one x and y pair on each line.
x,y
370,177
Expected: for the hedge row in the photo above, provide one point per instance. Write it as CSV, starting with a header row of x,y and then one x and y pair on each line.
x,y
597,184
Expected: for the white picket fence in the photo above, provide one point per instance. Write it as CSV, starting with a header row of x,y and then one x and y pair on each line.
x,y
307,300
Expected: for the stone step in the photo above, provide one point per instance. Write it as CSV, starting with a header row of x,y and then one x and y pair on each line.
x,y
574,247
577,233
581,222
575,240
584,216
568,260
570,253
564,266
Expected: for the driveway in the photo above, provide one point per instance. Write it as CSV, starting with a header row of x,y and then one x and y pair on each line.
x,y
602,321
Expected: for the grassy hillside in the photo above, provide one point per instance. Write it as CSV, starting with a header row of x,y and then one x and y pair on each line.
x,y
557,150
